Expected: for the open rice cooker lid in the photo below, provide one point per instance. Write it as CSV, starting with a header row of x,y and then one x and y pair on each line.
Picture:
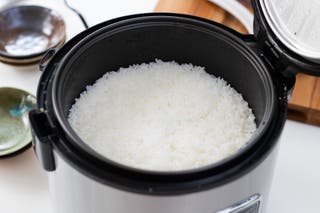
x,y
289,31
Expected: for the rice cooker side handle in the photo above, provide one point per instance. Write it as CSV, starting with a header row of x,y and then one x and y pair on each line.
x,y
46,58
43,135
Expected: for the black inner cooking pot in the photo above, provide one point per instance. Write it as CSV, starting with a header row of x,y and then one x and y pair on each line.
x,y
141,39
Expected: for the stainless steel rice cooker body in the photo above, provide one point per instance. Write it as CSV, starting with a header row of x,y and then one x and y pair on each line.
x,y
83,181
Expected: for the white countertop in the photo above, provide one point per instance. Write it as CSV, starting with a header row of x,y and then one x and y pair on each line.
x,y
23,184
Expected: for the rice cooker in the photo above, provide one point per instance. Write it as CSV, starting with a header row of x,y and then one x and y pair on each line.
x,y
261,67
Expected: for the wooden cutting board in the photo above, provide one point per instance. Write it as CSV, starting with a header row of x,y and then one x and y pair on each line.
x,y
304,105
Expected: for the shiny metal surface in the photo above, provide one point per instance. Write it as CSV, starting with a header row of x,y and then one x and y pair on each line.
x,y
297,25
26,32
73,191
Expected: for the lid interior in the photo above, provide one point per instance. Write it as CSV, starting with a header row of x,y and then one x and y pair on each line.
x,y
296,24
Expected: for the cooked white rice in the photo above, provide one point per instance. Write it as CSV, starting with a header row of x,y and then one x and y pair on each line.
x,y
162,116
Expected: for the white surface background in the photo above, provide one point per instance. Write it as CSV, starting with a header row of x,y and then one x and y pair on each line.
x,y
23,184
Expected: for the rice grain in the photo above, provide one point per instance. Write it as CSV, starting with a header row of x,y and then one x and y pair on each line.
x,y
162,116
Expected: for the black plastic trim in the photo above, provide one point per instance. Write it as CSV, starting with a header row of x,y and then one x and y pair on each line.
x,y
46,57
43,136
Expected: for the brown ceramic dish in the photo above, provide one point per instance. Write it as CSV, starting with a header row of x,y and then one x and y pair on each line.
x,y
26,32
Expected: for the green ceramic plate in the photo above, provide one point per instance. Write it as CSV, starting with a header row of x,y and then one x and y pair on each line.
x,y
15,133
